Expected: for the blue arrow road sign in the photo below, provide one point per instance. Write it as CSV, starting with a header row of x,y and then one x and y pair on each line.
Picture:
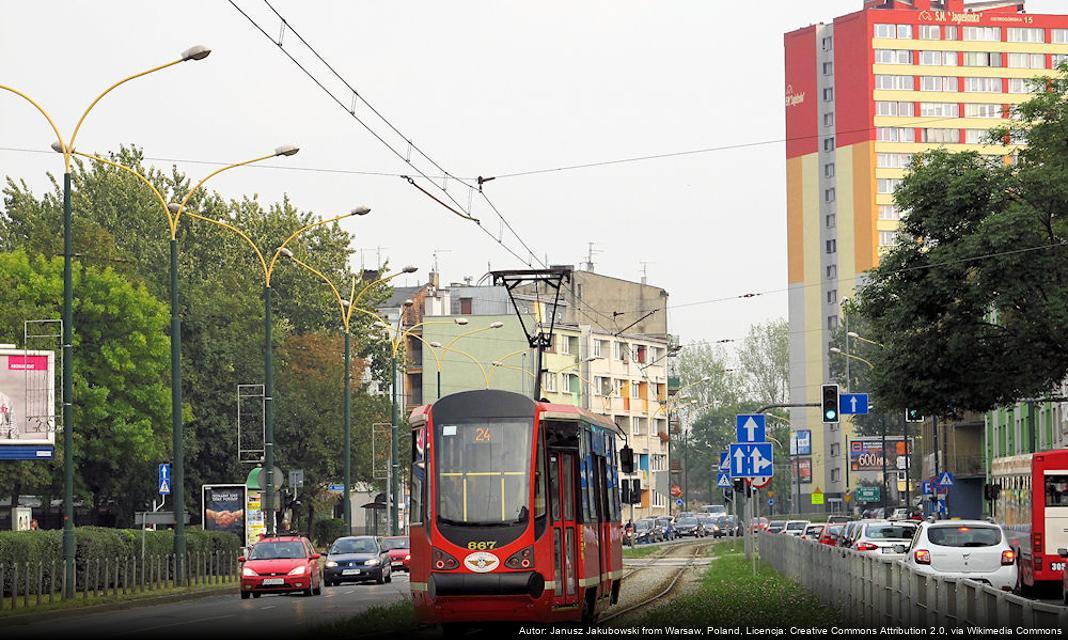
x,y
853,404
750,427
724,464
679,502
771,502
751,460
723,479
946,479
164,479
942,506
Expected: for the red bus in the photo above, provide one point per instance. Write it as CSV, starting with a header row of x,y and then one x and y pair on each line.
x,y
1033,508
515,511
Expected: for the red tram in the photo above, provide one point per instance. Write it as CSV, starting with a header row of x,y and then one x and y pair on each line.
x,y
515,511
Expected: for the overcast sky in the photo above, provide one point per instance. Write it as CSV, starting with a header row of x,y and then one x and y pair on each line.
x,y
485,88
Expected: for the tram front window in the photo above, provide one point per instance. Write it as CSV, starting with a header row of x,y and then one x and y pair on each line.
x,y
483,472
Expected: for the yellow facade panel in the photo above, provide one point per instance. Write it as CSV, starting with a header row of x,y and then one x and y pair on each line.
x,y
968,45
849,210
956,71
864,208
940,122
795,206
894,95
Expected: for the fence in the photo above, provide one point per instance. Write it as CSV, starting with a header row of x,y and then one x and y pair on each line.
x,y
873,592
28,584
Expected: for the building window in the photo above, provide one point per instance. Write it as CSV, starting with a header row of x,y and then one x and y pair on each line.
x,y
886,31
1020,85
465,306
597,348
836,474
832,323
1060,36
904,32
939,109
828,94
828,119
832,271
930,32
635,389
893,56
830,221
888,185
889,212
983,111
938,83
828,195
939,58
893,160
975,136
1020,34
950,33
981,59
828,43
828,143
895,134
832,296
635,426
1026,61
565,345
832,246
883,108
828,68
1059,59
984,34
983,85
886,238
940,135
897,83
548,381
828,170
836,449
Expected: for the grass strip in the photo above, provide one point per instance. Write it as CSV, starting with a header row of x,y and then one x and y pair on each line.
x,y
639,552
398,617
6,612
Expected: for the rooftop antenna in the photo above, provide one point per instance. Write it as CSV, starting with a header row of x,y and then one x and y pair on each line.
x,y
589,255
645,271
436,252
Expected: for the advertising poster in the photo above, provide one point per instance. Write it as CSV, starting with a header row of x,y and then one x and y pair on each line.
x,y
804,470
27,397
224,508
867,455
255,524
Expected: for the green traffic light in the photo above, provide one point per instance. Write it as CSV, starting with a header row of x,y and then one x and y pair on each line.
x,y
831,415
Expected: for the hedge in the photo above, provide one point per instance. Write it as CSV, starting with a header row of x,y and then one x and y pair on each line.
x,y
329,529
99,543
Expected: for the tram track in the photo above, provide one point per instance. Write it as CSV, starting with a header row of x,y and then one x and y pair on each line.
x,y
661,589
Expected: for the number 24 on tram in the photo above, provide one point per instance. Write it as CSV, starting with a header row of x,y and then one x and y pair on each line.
x,y
515,510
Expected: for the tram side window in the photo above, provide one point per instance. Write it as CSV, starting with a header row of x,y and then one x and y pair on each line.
x,y
585,496
539,482
1057,490
418,475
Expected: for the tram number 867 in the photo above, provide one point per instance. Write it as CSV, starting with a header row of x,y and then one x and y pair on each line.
x,y
482,546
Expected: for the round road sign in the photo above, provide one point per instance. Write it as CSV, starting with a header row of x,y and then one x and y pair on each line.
x,y
759,483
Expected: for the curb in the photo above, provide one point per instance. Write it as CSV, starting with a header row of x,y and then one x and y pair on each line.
x,y
31,617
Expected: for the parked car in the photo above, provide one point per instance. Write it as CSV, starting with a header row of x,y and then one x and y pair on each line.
x,y
715,509
900,514
813,531
689,526
838,519
646,531
730,525
776,526
667,523
281,564
710,525
886,538
973,549
795,527
358,559
399,552
830,534
760,524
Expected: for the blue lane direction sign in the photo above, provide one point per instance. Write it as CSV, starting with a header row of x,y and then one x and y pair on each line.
x,y
164,479
723,479
724,463
853,404
751,460
945,480
750,427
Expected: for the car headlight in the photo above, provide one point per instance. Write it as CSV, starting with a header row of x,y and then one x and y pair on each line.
x,y
331,564
372,562
248,573
298,571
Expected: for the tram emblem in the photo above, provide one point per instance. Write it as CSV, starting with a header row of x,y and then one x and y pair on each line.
x,y
481,562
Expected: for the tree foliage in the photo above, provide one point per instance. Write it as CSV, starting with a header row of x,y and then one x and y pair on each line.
x,y
972,300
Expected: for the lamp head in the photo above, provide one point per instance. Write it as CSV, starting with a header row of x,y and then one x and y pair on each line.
x,y
345,303
435,344
835,350
409,302
286,150
853,334
360,211
460,321
497,363
198,52
496,325
57,146
410,269
285,251
174,207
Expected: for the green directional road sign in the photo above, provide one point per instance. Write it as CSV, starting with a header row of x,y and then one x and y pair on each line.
x,y
867,494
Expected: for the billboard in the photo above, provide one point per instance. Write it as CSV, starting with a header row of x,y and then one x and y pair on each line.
x,y
804,470
801,443
27,398
223,508
868,454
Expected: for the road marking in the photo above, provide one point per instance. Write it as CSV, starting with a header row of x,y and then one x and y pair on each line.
x,y
176,624
350,592
270,606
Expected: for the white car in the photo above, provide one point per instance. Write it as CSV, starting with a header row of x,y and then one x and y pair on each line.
x,y
885,538
795,528
958,549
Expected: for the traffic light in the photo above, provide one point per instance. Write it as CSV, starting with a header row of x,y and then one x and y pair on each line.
x,y
991,491
830,403
913,415
626,460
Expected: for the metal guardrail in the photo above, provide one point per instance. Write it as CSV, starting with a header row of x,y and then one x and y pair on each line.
x,y
872,592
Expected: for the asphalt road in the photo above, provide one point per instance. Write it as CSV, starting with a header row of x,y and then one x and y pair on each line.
x,y
271,616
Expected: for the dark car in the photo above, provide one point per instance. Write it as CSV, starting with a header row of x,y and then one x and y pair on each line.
x,y
729,525
710,526
646,530
357,559
689,526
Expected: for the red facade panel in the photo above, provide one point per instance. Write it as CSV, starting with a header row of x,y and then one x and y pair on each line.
x,y
802,129
854,83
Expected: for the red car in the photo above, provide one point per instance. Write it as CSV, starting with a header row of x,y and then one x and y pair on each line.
x,y
281,564
830,534
399,552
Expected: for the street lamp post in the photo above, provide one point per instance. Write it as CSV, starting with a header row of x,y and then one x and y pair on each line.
x,y
67,149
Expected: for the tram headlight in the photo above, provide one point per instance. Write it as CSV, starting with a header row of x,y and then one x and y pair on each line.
x,y
443,561
522,559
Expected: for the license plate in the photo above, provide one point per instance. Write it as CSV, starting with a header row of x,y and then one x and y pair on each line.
x,y
350,572
887,550
1057,566
269,582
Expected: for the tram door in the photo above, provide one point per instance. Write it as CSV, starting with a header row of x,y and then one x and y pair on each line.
x,y
562,511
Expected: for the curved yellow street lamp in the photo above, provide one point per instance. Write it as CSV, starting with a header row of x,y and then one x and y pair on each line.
x,y
268,265
198,52
851,356
173,213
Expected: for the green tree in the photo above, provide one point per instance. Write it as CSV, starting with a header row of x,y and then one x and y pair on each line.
x,y
764,360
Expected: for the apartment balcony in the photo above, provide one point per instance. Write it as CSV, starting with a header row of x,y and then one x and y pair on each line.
x,y
663,434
